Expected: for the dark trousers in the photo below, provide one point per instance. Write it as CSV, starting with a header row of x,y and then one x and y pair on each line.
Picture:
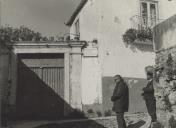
x,y
120,120
151,108
4,116
4,121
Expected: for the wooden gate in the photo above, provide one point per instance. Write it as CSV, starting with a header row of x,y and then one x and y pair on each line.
x,y
51,76
40,89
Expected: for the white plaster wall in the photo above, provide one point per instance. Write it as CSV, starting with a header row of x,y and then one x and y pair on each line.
x,y
169,38
164,34
106,21
91,81
166,8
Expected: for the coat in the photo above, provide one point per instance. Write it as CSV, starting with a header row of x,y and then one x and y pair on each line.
x,y
148,93
149,98
120,97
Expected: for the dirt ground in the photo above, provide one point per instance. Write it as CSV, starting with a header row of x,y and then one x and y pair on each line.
x,y
132,120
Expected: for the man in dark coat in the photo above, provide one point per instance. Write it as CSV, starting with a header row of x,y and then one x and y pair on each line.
x,y
120,100
148,94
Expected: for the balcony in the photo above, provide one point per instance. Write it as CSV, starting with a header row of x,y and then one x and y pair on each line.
x,y
141,32
143,22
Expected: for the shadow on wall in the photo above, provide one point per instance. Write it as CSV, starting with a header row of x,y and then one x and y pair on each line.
x,y
140,47
37,100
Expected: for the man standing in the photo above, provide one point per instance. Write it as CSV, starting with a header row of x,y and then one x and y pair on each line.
x,y
148,94
120,100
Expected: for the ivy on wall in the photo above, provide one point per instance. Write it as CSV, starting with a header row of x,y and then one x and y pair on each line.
x,y
137,34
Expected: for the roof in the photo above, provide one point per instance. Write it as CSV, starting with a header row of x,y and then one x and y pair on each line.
x,y
76,12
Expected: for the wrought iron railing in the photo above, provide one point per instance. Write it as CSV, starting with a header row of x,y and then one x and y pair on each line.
x,y
142,22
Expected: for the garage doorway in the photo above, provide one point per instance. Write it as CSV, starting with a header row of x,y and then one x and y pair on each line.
x,y
40,86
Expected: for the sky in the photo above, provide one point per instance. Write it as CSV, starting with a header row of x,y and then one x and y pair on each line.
x,y
44,16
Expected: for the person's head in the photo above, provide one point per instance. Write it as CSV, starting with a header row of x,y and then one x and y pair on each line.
x,y
149,72
117,78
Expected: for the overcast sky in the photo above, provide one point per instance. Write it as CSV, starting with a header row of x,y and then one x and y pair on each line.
x,y
45,16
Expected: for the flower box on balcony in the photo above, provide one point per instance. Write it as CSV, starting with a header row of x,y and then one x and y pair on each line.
x,y
146,42
135,36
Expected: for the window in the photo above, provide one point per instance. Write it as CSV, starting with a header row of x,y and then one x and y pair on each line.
x,y
149,13
77,29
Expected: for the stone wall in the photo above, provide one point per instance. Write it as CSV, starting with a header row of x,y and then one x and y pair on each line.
x,y
165,72
162,55
165,86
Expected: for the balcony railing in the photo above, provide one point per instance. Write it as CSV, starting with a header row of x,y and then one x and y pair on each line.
x,y
140,22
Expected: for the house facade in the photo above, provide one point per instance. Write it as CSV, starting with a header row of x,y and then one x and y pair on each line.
x,y
104,23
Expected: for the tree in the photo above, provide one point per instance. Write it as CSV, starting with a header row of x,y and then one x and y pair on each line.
x,y
10,34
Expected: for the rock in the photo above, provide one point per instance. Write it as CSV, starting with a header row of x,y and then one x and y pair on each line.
x,y
147,124
172,98
156,125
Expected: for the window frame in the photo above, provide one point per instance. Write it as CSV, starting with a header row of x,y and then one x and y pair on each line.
x,y
149,16
77,27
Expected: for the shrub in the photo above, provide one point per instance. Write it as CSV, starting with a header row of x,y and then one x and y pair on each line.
x,y
108,113
10,34
172,122
99,113
130,35
76,114
90,111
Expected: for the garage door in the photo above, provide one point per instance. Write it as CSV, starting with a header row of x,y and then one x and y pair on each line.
x,y
40,88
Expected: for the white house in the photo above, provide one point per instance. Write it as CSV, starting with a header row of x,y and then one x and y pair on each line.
x,y
104,22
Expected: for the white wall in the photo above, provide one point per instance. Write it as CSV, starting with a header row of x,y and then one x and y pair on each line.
x,y
169,38
167,8
107,21
164,34
91,81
